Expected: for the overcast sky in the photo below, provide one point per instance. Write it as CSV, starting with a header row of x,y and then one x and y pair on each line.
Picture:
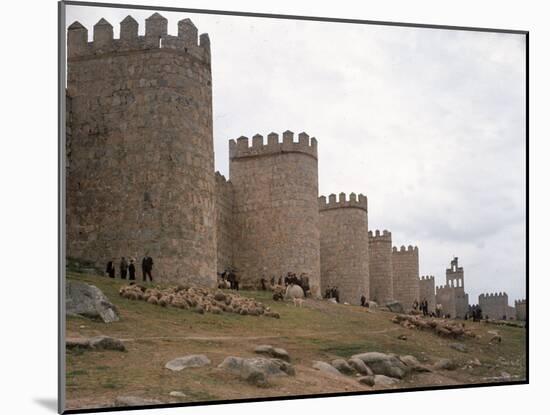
x,y
429,124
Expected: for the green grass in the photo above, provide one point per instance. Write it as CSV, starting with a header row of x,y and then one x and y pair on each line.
x,y
318,331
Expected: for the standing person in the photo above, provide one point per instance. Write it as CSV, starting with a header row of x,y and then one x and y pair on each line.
x,y
123,268
132,270
147,267
110,270
363,300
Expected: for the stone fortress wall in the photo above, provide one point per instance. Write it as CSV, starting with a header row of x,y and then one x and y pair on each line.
x,y
380,267
140,159
140,180
405,266
427,291
344,246
276,210
521,309
495,306
225,225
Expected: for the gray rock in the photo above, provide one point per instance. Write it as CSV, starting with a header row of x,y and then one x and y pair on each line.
x,y
257,370
326,368
95,343
275,352
383,364
367,380
135,401
461,347
381,380
88,301
445,364
360,367
412,363
192,360
395,307
107,343
343,367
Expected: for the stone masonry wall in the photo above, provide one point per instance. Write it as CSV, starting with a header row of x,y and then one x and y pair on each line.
x,y
427,291
521,310
380,267
344,246
406,287
494,305
140,175
225,224
276,209
445,295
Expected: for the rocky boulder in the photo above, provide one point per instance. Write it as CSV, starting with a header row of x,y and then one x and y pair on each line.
x,y
413,364
326,368
192,360
276,352
385,381
256,370
445,364
395,307
383,364
343,367
88,301
95,343
360,367
367,380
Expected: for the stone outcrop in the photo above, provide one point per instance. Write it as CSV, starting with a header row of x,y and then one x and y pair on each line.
x,y
88,301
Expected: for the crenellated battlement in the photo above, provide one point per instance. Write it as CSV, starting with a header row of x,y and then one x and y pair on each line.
x,y
493,295
520,302
221,180
354,201
405,250
241,148
427,278
156,37
377,236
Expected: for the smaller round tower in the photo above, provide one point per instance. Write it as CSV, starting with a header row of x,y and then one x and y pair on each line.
x,y
344,246
380,267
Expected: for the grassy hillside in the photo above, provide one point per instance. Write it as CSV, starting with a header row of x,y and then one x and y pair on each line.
x,y
154,335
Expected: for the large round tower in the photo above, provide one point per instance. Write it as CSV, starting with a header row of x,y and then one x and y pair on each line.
x,y
344,246
275,208
140,160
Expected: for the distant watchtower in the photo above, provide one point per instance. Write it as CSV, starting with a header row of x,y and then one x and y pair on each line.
x,y
140,160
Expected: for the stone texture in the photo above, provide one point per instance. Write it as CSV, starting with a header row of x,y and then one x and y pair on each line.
x,y
344,246
445,364
383,364
141,137
360,366
406,287
326,368
367,380
256,370
452,297
380,267
276,352
385,381
88,301
413,364
194,360
276,212
427,291
343,367
95,343
495,306
225,225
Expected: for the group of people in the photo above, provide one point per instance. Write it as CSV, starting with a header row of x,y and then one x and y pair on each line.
x,y
332,292
474,313
128,268
289,279
422,306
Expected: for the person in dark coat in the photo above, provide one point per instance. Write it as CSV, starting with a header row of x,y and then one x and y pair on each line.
x,y
363,300
147,267
132,270
123,268
110,270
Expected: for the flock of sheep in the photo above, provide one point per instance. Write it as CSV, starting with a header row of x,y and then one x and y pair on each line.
x,y
441,327
200,300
